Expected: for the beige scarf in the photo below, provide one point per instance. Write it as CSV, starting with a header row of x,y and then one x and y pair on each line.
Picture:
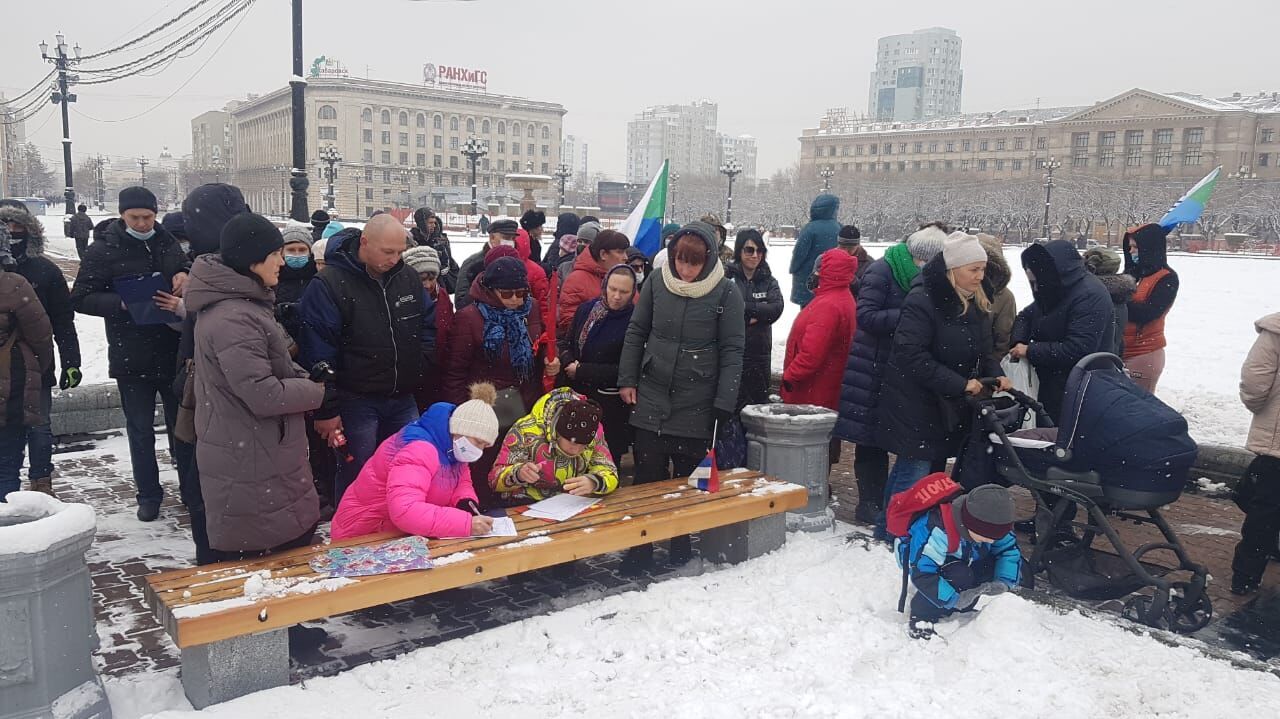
x,y
692,290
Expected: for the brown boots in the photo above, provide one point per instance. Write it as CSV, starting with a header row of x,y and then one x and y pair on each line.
x,y
43,485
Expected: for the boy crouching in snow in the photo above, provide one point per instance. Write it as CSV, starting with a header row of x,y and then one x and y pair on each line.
x,y
955,560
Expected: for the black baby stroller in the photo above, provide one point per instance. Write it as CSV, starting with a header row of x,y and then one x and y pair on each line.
x,y
1118,452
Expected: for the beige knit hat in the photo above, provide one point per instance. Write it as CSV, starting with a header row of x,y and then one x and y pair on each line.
x,y
475,417
962,249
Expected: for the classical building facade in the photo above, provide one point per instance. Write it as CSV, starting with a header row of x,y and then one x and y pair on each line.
x,y
917,76
1139,135
401,144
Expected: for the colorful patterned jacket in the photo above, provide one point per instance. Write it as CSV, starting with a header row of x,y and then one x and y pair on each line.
x,y
532,439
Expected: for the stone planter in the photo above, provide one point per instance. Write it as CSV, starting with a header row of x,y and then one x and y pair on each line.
x,y
792,442
47,633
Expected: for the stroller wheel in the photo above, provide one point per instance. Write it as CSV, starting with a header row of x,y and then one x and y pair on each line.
x,y
1184,617
1137,609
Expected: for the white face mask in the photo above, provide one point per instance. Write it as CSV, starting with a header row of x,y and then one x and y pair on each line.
x,y
507,243
466,452
639,277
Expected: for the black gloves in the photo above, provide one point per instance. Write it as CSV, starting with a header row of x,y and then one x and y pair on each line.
x,y
71,377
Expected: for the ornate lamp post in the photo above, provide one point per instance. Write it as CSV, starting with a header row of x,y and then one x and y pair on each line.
x,y
330,156
474,149
1050,165
564,173
671,190
826,173
730,169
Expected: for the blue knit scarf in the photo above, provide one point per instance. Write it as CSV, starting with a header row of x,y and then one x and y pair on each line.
x,y
504,326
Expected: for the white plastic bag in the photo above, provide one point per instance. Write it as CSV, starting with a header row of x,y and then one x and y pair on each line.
x,y
1024,379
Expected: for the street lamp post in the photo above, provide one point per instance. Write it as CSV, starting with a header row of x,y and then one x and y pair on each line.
x,y
564,173
64,98
474,149
826,173
331,157
298,110
357,177
1051,165
671,190
217,169
407,179
730,169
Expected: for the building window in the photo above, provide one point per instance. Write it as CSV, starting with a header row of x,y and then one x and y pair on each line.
x,y
420,160
453,143
502,147
1267,135
1164,156
546,132
453,162
366,136
1133,137
366,115
437,142
404,158
453,123
327,112
368,193
873,149
386,117
817,151
437,122
404,139
964,165
1000,144
1133,157
421,121
933,147
1164,136
1017,165
502,127
368,155
471,124
420,141
1106,157
439,178
546,151
386,137
544,168
531,131
918,148
1264,159
949,165
1079,139
999,164
529,150
951,147
484,126
1193,136
933,165
453,180
386,175
966,146
857,150
515,148
515,129
831,151
902,148
1019,143
844,150
1106,139
484,164
1042,143
983,146
328,133
1080,158
1192,157
404,119
502,165
888,149
982,164
386,157
436,161
902,166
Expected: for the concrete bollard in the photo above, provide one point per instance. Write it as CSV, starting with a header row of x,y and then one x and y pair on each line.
x,y
792,442
47,634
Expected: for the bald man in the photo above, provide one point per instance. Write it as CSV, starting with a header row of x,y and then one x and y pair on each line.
x,y
366,315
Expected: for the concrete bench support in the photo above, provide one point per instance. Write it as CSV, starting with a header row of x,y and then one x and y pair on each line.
x,y
221,671
736,543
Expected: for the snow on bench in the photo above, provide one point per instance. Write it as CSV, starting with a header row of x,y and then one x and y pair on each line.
x,y
229,619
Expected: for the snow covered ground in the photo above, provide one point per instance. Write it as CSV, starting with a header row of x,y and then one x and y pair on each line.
x,y
1210,329
810,630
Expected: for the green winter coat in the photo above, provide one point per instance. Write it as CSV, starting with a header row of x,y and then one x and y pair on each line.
x,y
684,354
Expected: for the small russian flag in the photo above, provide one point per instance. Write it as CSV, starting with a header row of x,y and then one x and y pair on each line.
x,y
705,476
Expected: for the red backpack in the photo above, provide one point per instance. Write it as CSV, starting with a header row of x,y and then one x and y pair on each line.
x,y
935,491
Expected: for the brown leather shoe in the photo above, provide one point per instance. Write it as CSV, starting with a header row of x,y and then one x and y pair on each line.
x,y
44,486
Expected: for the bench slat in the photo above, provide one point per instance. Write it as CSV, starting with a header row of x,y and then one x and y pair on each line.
x,y
592,533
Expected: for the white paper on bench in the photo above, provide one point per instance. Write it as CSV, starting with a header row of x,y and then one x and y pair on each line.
x,y
559,507
502,527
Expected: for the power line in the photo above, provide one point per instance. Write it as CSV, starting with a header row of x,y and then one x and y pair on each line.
x,y
220,17
146,35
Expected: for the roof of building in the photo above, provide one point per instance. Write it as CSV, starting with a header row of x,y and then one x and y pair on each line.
x,y
473,97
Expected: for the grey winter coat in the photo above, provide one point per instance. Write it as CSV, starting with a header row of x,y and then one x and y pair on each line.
x,y
684,354
250,405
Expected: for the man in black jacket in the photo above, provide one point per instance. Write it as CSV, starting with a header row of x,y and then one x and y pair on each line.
x,y
79,227
27,246
142,358
366,314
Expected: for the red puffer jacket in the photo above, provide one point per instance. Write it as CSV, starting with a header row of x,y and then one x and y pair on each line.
x,y
821,336
582,285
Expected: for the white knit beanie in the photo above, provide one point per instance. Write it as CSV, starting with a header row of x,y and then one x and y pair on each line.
x,y
475,417
962,249
925,243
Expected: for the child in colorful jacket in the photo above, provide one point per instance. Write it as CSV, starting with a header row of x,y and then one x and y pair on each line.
x,y
558,447
986,559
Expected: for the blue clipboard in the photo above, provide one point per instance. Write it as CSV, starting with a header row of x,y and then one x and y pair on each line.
x,y
138,292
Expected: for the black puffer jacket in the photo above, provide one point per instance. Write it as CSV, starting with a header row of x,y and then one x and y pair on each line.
x,y
880,301
1070,319
49,283
133,351
937,348
763,299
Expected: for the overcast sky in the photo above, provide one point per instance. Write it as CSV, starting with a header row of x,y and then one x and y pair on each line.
x,y
773,67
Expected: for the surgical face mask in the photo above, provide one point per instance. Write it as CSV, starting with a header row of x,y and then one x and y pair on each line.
x,y
465,451
144,236
297,262
507,243
1134,255
639,277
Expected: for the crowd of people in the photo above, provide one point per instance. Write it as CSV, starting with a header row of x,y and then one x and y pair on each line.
x,y
362,374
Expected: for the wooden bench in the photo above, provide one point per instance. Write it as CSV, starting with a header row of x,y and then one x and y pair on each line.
x,y
233,644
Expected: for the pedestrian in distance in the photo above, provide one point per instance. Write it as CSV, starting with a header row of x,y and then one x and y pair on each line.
x,y
80,228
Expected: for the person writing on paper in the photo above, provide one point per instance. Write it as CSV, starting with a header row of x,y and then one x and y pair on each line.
x,y
142,358
558,447
419,480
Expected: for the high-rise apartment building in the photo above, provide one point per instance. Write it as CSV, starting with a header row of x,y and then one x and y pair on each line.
x,y
684,134
741,148
917,76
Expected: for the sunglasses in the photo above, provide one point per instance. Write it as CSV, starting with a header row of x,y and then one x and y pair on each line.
x,y
752,250
638,267
512,294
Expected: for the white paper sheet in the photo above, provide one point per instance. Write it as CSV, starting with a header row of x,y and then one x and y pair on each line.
x,y
502,527
560,507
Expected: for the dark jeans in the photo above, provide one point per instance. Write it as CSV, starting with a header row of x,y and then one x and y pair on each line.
x,y
960,576
616,418
663,457
221,555
13,445
82,244
871,470
1261,503
138,400
40,440
367,421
